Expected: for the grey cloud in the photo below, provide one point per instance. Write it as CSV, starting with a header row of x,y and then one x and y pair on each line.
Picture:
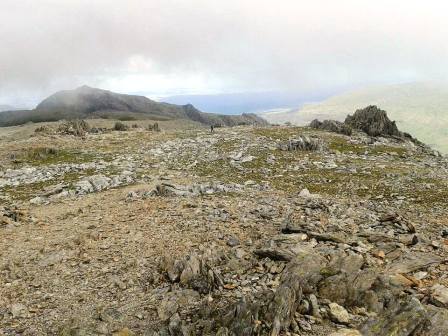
x,y
249,44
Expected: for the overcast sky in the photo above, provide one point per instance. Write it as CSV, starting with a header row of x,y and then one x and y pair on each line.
x,y
209,46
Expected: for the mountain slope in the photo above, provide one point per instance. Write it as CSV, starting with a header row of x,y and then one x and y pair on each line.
x,y
86,102
420,109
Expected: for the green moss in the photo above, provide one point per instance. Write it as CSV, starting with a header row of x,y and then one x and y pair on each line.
x,y
328,272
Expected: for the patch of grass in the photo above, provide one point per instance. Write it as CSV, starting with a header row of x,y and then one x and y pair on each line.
x,y
25,192
342,145
366,182
42,156
382,149
226,146
435,193
280,133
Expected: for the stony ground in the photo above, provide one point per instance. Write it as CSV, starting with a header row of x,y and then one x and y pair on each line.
x,y
239,232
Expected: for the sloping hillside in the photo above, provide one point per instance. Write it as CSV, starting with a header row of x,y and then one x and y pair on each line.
x,y
86,102
420,109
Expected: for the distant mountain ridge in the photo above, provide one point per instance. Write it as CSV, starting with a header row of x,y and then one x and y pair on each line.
x,y
86,102
420,109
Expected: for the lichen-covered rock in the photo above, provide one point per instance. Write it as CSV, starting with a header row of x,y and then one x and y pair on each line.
x,y
332,126
438,321
283,247
276,310
302,143
168,190
439,295
194,271
402,318
77,127
338,313
166,309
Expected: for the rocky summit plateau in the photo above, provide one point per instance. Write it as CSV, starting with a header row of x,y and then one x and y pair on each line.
x,y
162,227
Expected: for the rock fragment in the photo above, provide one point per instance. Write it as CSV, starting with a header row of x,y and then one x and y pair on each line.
x,y
338,313
439,296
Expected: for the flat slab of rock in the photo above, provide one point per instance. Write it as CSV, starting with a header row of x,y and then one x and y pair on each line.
x,y
439,296
346,332
413,262
439,321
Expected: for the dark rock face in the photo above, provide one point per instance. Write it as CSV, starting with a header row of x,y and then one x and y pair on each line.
x,y
373,121
331,126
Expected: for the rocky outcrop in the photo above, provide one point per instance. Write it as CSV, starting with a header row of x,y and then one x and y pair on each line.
x,y
302,143
195,271
332,126
74,127
373,121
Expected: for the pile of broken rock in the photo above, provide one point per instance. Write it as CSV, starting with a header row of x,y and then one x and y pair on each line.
x,y
364,268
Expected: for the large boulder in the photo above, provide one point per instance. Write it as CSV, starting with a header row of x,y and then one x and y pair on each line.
x,y
373,121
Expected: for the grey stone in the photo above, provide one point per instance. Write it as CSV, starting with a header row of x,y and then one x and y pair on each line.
x,y
18,310
167,308
233,241
402,318
338,313
439,295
